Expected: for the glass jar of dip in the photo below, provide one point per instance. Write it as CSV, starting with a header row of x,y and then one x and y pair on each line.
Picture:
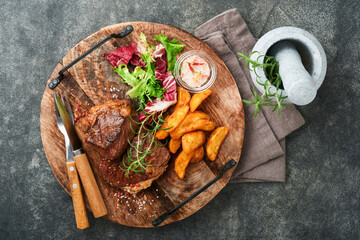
x,y
195,71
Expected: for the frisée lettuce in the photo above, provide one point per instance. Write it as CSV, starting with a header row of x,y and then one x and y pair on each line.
x,y
152,82
172,48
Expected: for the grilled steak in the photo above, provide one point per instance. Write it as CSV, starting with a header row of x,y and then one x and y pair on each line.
x,y
104,133
105,129
157,160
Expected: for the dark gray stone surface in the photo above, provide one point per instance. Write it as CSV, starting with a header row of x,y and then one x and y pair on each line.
x,y
321,197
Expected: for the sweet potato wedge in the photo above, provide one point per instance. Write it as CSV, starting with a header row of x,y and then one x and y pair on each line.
x,y
217,137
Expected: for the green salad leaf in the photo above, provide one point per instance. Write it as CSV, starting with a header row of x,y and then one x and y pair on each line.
x,y
145,86
172,48
143,82
146,53
139,72
126,76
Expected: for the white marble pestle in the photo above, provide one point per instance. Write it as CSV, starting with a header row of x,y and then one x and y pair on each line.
x,y
298,83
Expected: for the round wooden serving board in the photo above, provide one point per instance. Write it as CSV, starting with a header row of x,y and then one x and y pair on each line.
x,y
92,81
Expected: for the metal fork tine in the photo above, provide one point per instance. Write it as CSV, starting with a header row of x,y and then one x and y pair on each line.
x,y
56,109
62,98
58,95
69,108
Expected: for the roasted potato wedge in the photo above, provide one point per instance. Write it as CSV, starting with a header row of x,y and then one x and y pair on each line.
x,y
174,145
198,98
198,155
183,98
192,141
172,121
181,162
217,137
191,117
162,134
200,124
176,118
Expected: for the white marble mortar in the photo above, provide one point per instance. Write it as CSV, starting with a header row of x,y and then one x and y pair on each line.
x,y
301,79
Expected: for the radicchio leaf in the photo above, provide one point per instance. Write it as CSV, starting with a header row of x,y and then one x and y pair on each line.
x,y
136,59
169,98
124,55
161,60
168,82
121,55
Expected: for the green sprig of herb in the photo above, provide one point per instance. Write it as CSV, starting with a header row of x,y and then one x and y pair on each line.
x,y
271,69
136,155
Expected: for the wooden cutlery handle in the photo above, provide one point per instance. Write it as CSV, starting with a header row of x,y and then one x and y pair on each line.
x,y
90,186
77,197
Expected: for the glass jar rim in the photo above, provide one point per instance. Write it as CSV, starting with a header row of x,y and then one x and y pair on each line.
x,y
213,71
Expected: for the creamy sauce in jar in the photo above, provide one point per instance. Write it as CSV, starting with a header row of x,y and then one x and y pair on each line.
x,y
195,71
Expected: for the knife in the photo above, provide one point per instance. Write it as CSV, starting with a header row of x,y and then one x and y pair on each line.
x,y
82,165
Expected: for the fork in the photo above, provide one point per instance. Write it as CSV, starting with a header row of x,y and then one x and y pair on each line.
x,y
76,193
61,125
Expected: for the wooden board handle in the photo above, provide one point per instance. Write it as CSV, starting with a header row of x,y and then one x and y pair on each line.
x,y
90,186
77,197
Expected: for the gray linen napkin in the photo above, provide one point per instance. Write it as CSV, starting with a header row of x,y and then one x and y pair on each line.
x,y
263,152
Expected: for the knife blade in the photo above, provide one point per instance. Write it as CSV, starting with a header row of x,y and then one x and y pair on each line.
x,y
89,183
69,126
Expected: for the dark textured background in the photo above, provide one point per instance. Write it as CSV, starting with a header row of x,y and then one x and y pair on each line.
x,y
320,199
